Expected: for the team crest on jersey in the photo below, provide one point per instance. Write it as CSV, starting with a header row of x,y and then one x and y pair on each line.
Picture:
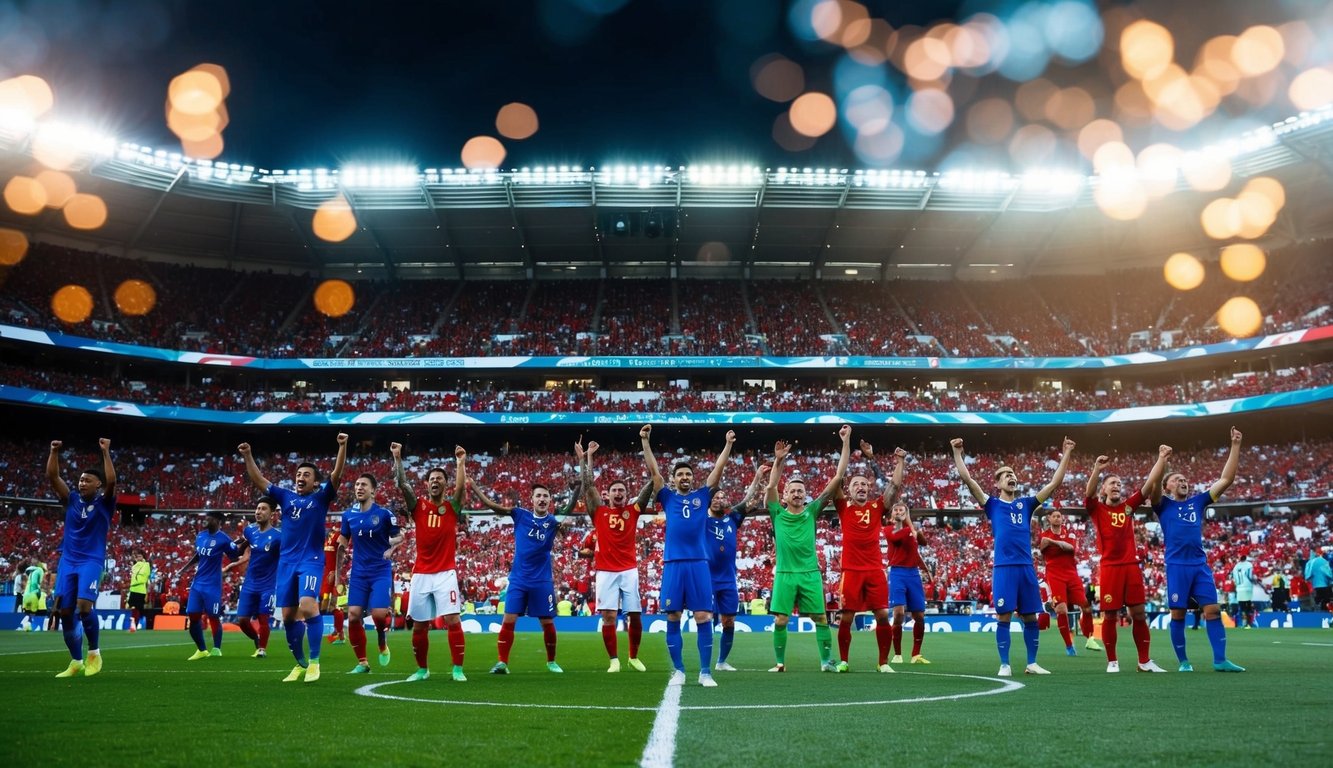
x,y
1175,597
1000,604
695,503
625,514
1128,509
1108,598
374,519
668,602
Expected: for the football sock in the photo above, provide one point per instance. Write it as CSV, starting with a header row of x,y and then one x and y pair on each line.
x,y
705,643
457,643
1031,637
338,618
844,639
1062,622
248,629
548,636
884,639
635,632
356,632
505,642
197,630
314,635
918,635
609,639
728,636
824,640
295,631
1217,635
91,628
673,643
421,643
897,639
215,622
780,643
1178,639
1110,628
1142,639
1002,641
73,632
1085,623
381,627
264,629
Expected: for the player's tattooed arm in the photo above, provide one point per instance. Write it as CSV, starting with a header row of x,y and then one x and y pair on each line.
x,y
53,472
400,478
1095,476
780,450
1152,485
488,502
591,498
895,488
834,486
715,477
460,476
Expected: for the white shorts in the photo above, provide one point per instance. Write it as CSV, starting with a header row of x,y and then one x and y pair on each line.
x,y
433,594
619,590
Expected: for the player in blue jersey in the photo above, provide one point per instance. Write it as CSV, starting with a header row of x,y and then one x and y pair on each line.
x,y
373,534
1181,514
1014,582
82,553
723,525
301,562
210,546
531,583
254,609
686,581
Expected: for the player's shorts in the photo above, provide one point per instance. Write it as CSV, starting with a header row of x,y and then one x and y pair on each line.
x,y
726,602
800,591
864,590
535,600
254,602
1014,588
30,603
431,595
1121,585
137,600
1186,582
905,589
297,581
203,601
373,592
77,581
686,584
619,590
1066,588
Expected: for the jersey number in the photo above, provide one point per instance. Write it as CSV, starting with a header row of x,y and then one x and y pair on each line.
x,y
1118,519
863,516
1016,518
309,583
434,521
616,523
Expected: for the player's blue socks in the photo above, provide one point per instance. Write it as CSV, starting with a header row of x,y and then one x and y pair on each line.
x,y
1178,639
1002,641
1217,635
91,628
674,641
295,631
314,633
216,623
705,648
197,633
73,632
1031,636
728,635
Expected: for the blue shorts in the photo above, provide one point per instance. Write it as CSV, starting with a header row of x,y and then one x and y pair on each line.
x,y
725,600
686,584
77,581
297,581
370,592
905,589
537,600
1014,588
1190,581
204,601
255,603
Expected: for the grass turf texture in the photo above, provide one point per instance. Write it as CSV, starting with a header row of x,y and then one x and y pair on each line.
x,y
151,707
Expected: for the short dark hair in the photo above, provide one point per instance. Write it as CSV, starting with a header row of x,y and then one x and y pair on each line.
x,y
614,483
796,480
681,465
97,473
542,486
313,468
373,482
269,500
441,470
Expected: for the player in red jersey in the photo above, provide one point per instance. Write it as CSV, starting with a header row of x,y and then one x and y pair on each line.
x,y
905,591
615,556
434,590
1059,549
865,587
1120,576
328,597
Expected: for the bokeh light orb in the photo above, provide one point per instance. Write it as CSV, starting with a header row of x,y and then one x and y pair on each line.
x,y
24,195
13,246
84,211
135,298
516,121
484,152
72,304
1240,317
334,298
334,220
1183,272
1243,262
59,187
813,114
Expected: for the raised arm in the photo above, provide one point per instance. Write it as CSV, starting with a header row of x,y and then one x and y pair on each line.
x,y
488,502
252,472
868,451
340,463
338,555
715,477
400,477
895,488
649,460
645,496
108,468
1095,476
780,450
53,472
460,477
963,474
1059,477
591,498
1152,485
835,485
760,472
1229,469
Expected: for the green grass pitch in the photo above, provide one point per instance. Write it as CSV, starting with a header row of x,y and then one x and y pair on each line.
x,y
152,707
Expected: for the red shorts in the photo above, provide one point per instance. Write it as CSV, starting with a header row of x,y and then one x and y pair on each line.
x,y
1121,585
864,591
1066,588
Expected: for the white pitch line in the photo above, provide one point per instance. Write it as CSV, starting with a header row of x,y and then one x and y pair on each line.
x,y
273,672
660,751
370,691
63,649
1321,645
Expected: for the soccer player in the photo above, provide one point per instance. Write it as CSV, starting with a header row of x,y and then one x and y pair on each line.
x,y
434,589
864,586
1120,576
375,532
138,599
531,579
1187,573
301,562
723,525
82,553
686,580
32,593
615,556
328,596
205,599
797,582
1059,550
254,609
1242,575
1014,579
906,594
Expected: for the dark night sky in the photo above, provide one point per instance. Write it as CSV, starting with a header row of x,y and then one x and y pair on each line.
x,y
319,83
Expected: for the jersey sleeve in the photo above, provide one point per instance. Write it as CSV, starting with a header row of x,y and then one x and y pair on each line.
x,y
345,528
899,535
774,509
662,496
391,521
326,491
1135,499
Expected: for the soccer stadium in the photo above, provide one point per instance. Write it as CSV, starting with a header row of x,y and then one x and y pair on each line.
x,y
925,380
